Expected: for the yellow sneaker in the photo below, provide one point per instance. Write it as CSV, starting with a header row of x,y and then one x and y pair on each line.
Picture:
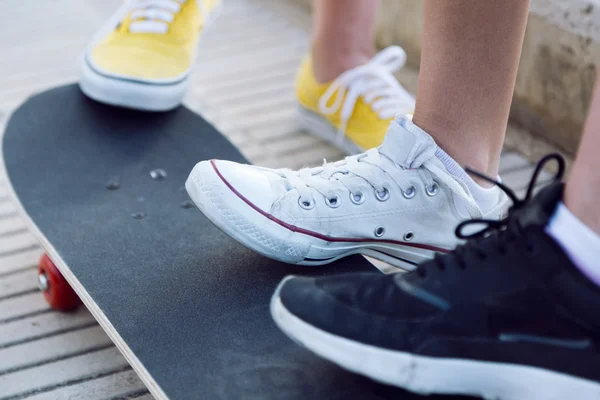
x,y
142,57
353,111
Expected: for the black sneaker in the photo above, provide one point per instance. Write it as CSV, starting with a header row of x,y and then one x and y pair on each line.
x,y
505,316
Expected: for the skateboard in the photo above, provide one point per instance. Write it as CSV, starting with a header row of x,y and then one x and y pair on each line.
x,y
102,189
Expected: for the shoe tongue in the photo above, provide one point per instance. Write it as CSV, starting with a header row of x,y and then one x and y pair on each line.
x,y
407,145
541,208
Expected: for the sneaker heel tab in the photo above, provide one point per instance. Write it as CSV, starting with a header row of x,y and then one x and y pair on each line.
x,y
408,145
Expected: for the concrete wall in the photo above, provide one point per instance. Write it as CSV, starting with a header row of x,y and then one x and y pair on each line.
x,y
557,68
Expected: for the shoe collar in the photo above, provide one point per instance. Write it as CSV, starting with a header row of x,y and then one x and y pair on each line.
x,y
407,145
410,147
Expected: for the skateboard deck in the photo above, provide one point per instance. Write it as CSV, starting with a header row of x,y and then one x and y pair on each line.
x,y
102,189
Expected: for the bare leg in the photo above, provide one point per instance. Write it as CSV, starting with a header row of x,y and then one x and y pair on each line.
x,y
343,36
469,63
582,194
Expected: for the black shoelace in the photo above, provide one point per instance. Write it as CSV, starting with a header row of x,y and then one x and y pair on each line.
x,y
497,234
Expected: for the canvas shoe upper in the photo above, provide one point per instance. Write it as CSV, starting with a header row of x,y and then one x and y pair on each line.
x,y
396,203
354,110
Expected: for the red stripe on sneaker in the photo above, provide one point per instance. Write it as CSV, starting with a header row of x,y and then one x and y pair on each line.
x,y
317,235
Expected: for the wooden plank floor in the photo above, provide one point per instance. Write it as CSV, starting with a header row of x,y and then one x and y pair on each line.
x,y
243,84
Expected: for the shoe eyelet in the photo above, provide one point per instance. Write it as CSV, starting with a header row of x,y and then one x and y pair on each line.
x,y
432,190
379,231
357,198
333,202
383,195
307,205
410,193
408,236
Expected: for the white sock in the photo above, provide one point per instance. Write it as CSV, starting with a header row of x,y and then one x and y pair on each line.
x,y
486,198
581,244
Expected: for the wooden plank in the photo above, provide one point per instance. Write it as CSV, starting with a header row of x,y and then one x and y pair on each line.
x,y
11,226
511,161
24,92
282,100
249,94
268,118
275,130
51,348
221,43
16,243
249,44
519,178
303,158
22,305
57,373
19,78
69,47
285,70
21,260
122,384
19,282
262,59
43,325
145,397
281,149
7,209
239,22
219,35
299,141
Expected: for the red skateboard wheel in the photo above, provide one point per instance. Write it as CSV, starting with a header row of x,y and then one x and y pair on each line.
x,y
57,291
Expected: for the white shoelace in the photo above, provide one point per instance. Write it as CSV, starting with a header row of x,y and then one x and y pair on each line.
x,y
153,16
368,167
377,85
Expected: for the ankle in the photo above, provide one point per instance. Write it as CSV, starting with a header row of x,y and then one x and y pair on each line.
x,y
330,61
577,200
472,154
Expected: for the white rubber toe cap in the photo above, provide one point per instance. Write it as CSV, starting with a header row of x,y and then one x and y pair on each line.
x,y
246,181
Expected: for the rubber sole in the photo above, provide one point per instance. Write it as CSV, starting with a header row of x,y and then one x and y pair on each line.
x,y
131,94
429,375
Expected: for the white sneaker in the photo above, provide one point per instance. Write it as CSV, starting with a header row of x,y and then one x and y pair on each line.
x,y
396,203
